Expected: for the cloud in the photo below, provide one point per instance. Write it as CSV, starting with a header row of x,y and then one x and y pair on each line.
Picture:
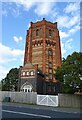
x,y
9,58
72,7
17,39
63,50
3,71
44,8
8,55
26,4
63,34
74,29
66,46
66,22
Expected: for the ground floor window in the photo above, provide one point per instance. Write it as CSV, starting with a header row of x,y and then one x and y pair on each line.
x,y
27,88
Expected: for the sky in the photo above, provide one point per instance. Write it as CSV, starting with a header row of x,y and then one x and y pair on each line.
x,y
15,21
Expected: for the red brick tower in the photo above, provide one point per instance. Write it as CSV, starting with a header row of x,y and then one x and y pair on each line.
x,y
43,47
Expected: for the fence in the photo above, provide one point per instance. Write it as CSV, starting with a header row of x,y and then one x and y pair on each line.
x,y
47,100
20,97
62,100
70,100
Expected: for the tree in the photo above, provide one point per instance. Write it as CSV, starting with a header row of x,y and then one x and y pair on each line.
x,y
70,73
10,82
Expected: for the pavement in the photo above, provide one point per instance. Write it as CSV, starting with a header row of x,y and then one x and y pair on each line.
x,y
17,110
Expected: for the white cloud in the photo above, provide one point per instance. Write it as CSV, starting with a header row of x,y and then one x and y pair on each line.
x,y
17,39
9,58
67,21
72,7
66,46
75,29
8,55
63,50
26,4
3,71
63,34
44,8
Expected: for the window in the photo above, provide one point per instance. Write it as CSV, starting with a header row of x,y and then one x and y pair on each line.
x,y
37,32
50,70
50,76
23,73
50,53
50,32
27,73
50,65
32,72
27,88
40,32
34,32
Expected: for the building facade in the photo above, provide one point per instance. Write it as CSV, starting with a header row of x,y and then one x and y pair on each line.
x,y
41,59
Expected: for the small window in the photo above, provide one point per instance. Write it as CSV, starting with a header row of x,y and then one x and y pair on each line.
x,y
50,76
23,73
37,32
32,73
27,73
50,32
50,70
25,90
34,33
41,32
50,65
50,53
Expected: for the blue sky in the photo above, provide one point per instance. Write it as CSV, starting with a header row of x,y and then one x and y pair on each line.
x,y
16,18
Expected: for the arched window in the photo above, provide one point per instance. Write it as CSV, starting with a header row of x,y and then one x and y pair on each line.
x,y
32,73
27,88
40,32
27,73
50,65
50,76
34,33
50,33
50,53
37,32
23,73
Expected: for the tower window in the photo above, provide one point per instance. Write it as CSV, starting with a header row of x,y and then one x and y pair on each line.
x,y
50,52
50,70
50,65
50,32
50,76
37,32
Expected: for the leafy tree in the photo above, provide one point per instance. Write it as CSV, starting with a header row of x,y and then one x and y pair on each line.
x,y
10,82
70,73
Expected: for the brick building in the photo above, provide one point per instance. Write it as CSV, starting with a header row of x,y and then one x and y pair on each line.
x,y
42,57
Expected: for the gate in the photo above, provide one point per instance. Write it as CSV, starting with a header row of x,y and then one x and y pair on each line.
x,y
47,100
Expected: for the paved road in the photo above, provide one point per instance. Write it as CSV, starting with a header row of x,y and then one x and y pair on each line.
x,y
13,110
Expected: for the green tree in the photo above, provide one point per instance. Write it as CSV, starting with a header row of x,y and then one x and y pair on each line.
x,y
70,73
10,82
